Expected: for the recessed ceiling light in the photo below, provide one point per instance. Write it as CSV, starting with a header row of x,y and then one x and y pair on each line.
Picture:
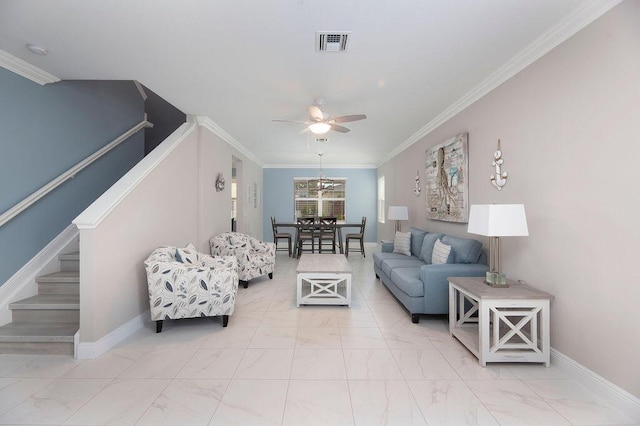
x,y
37,50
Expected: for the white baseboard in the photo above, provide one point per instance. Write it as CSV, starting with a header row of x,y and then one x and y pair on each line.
x,y
23,283
91,350
613,394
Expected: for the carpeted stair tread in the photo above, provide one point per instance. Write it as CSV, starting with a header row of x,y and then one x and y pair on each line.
x,y
60,277
48,301
38,332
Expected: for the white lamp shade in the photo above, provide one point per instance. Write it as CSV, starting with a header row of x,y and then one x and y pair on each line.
x,y
398,213
498,220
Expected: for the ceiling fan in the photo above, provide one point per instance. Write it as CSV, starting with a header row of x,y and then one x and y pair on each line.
x,y
320,123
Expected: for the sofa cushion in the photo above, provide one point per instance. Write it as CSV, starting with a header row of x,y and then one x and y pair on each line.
x,y
408,280
402,243
417,235
466,250
427,246
441,253
400,262
379,257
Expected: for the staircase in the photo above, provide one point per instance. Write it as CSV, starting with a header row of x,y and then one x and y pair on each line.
x,y
46,323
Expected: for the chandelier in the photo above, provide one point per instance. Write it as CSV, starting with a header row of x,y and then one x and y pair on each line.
x,y
322,183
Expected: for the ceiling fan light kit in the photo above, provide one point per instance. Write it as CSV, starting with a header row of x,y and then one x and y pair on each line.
x,y
319,128
320,123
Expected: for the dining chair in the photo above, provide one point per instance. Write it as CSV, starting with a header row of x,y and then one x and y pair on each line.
x,y
327,232
280,236
306,234
359,236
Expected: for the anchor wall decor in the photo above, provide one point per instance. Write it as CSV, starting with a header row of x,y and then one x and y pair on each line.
x,y
416,189
499,178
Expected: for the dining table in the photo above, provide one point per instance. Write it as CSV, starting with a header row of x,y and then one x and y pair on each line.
x,y
316,227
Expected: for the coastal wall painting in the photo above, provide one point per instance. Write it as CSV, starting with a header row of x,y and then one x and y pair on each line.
x,y
447,180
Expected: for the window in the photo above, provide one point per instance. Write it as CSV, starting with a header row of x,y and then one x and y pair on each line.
x,y
381,199
311,200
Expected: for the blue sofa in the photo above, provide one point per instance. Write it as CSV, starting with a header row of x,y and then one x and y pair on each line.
x,y
420,286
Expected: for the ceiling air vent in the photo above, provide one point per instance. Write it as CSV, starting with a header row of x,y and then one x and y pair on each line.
x,y
332,41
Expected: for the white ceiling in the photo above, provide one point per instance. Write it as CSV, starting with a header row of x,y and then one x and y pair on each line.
x,y
244,62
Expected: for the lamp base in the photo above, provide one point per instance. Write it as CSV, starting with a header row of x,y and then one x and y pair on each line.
x,y
496,279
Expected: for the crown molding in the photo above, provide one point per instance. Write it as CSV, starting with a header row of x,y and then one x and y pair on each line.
x,y
25,69
580,18
210,125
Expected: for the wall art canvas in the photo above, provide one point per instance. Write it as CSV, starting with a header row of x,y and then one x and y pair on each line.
x,y
447,180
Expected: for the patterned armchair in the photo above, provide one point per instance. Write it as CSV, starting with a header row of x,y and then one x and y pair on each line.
x,y
255,258
186,284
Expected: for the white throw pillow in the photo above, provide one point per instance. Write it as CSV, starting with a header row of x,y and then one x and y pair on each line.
x,y
402,243
440,253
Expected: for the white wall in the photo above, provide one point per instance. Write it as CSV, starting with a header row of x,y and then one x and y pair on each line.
x,y
216,156
169,198
569,128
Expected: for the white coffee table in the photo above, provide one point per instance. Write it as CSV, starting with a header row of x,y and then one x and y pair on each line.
x,y
323,279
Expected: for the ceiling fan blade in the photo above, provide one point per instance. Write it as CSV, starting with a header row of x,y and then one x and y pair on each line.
x,y
316,113
348,118
341,129
289,121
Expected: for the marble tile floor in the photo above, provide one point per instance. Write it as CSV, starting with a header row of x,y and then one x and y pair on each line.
x,y
276,364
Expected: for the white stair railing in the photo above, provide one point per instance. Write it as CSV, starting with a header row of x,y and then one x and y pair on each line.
x,y
33,198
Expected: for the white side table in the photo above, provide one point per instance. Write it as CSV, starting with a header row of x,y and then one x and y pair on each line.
x,y
500,324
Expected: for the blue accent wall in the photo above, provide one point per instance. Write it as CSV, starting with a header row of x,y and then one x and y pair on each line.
x,y
45,130
361,196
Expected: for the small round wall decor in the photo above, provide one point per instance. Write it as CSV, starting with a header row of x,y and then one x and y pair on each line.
x,y
219,183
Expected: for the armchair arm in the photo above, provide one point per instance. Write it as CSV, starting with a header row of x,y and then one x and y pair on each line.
x,y
263,247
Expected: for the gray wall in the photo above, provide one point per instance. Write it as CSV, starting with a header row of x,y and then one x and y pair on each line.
x,y
361,196
45,130
165,118
569,129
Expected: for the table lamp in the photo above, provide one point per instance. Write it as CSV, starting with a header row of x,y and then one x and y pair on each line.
x,y
496,221
398,213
